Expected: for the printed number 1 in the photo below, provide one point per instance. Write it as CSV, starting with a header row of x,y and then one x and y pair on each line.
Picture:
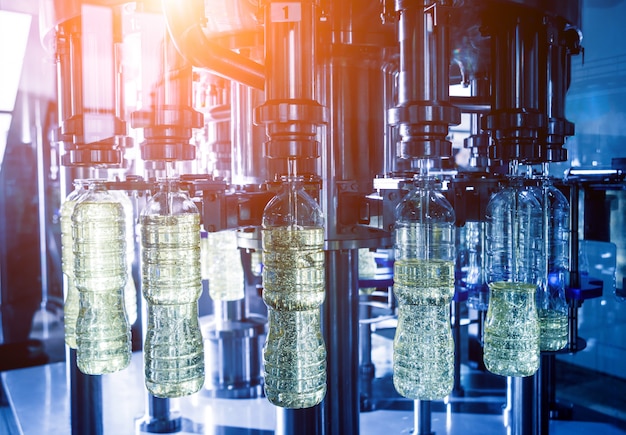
x,y
285,12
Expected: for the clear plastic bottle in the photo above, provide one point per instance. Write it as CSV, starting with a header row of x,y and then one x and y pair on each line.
x,y
551,303
170,240
471,256
71,304
423,358
99,244
514,252
224,269
367,268
130,290
294,355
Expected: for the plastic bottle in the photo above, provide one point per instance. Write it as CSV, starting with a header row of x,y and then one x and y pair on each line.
x,y
423,358
224,269
170,240
130,290
471,238
294,354
71,304
551,304
99,243
514,252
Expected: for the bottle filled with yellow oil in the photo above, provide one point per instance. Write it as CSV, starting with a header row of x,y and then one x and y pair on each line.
x,y
423,347
100,271
294,355
130,290
514,248
511,344
224,270
71,303
172,284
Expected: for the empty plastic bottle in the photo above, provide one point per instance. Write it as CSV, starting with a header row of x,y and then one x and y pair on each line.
x,y
170,238
423,358
471,253
71,303
551,304
100,270
514,253
294,355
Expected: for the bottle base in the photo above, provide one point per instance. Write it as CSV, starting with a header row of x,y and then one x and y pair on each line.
x,y
175,389
103,367
295,400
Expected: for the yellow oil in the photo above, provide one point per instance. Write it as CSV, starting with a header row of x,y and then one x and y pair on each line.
x,y
511,337
102,329
70,307
552,330
423,359
294,355
173,349
224,269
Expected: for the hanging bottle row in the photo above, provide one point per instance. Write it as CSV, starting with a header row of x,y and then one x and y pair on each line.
x,y
519,254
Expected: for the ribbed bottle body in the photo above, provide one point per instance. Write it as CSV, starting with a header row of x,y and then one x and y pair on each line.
x,y
293,290
423,352
514,257
423,361
99,244
294,354
170,239
71,302
174,363
224,269
130,290
511,343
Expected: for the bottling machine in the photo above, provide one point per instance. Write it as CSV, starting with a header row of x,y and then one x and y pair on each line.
x,y
353,98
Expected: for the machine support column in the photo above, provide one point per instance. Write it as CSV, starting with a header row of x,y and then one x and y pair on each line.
x,y
341,333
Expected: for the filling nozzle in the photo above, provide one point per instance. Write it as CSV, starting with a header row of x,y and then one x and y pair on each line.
x,y
168,117
91,130
291,112
424,112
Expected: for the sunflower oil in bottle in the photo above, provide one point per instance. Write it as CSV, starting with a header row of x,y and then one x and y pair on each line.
x,y
294,354
423,356
514,247
71,303
224,268
130,290
511,343
172,284
99,244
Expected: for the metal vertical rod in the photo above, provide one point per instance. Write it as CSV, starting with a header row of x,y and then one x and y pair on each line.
x,y
366,367
521,405
160,419
85,400
544,386
305,421
341,332
42,164
574,281
422,417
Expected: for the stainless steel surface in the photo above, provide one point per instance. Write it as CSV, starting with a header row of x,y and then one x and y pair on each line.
x,y
39,402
